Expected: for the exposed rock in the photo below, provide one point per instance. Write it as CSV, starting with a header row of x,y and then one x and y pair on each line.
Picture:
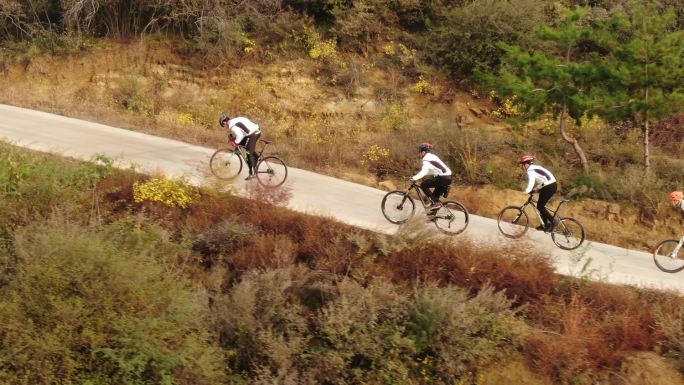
x,y
475,111
613,212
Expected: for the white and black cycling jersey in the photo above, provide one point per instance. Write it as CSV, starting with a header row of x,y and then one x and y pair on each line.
x,y
432,165
538,177
241,127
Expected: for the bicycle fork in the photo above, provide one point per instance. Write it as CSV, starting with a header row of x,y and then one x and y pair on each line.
x,y
673,254
400,206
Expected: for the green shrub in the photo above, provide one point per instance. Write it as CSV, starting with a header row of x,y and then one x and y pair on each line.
x,y
221,240
261,319
102,308
362,336
457,334
34,185
465,38
132,94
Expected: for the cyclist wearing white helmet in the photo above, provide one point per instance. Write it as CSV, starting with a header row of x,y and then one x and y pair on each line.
x,y
676,199
244,133
540,180
434,166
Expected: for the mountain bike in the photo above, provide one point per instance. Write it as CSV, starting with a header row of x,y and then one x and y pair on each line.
x,y
668,255
567,233
226,164
398,207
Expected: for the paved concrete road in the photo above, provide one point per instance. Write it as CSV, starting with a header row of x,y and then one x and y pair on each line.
x,y
313,193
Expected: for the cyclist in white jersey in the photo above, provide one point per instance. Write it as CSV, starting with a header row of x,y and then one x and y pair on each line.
x,y
434,166
540,180
676,199
245,133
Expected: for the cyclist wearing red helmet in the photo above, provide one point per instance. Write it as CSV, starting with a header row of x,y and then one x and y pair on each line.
x,y
676,199
245,133
434,166
540,180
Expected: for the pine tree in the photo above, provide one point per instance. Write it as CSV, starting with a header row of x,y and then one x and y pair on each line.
x,y
557,80
644,68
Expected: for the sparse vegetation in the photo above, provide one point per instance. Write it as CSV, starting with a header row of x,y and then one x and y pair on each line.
x,y
109,278
239,291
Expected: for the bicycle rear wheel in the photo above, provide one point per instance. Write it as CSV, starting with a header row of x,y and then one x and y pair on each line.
x,y
271,171
225,164
512,222
397,206
664,258
451,218
568,234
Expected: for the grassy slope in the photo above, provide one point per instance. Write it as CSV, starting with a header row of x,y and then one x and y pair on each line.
x,y
317,125
242,254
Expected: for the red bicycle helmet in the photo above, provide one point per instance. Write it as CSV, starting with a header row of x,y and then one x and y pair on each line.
x,y
425,147
526,159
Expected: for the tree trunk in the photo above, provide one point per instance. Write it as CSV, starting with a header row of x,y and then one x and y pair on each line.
x,y
575,144
647,157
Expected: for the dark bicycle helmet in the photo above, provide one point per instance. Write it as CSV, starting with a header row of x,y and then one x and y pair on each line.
x,y
224,118
427,147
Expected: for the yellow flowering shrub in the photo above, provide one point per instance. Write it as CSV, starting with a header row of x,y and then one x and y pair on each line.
x,y
170,192
324,50
400,54
389,49
395,117
508,107
378,161
422,86
374,154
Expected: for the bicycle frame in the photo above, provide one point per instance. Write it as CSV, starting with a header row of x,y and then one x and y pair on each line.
x,y
421,196
532,202
244,152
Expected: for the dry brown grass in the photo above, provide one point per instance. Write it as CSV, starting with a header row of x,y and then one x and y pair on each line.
x,y
586,328
524,275
582,330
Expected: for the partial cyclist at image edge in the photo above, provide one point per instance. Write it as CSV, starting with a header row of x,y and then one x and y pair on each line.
x,y
245,133
433,166
540,180
668,255
676,199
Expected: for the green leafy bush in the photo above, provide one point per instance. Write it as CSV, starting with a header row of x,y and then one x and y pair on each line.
x,y
458,334
294,323
261,319
34,185
465,38
102,307
362,336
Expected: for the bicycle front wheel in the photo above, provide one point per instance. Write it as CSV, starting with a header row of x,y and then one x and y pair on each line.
x,y
397,206
665,259
225,164
568,234
271,172
451,218
512,222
